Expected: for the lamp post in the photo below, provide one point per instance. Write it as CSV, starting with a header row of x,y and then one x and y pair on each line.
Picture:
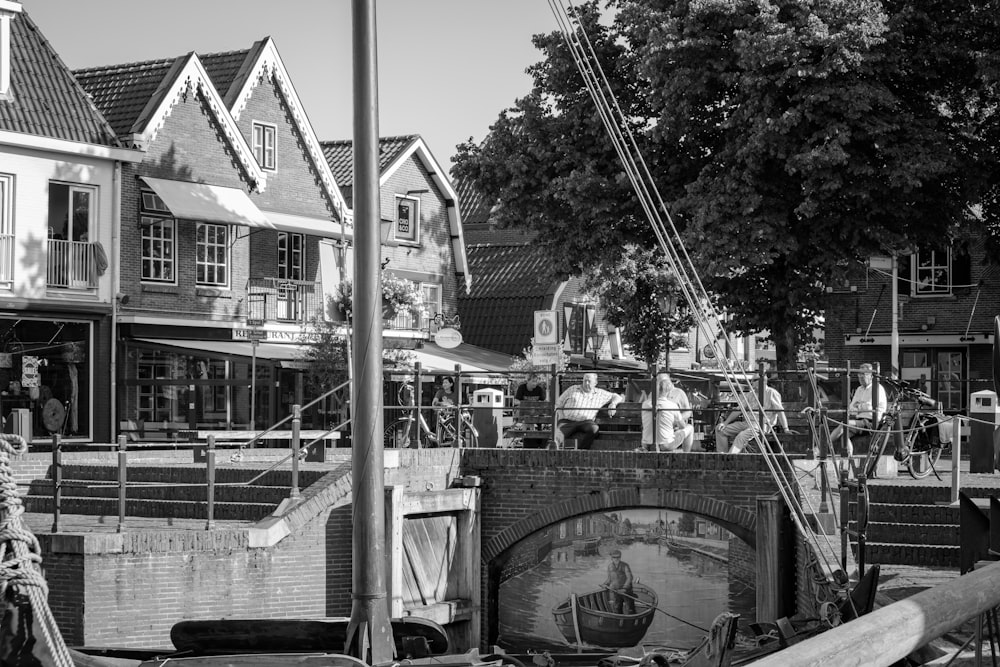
x,y
667,303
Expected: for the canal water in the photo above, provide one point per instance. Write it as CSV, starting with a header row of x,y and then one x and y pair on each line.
x,y
692,591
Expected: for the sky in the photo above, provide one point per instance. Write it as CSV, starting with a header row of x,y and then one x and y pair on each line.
x,y
447,68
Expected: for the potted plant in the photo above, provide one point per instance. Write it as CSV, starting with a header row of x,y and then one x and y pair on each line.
x,y
397,294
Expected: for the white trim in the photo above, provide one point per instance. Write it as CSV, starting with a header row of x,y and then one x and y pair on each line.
x,y
35,141
269,60
8,10
193,76
438,175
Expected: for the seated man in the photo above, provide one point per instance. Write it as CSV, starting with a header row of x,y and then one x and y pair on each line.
x,y
735,427
672,432
576,409
863,412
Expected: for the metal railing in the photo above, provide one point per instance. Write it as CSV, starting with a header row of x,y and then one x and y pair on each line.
x,y
72,265
280,300
297,452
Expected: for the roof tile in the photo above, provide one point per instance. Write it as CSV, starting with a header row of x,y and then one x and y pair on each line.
x,y
45,99
340,156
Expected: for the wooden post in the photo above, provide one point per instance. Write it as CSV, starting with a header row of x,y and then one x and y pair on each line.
x,y
56,481
122,480
956,458
458,407
417,399
296,448
553,395
770,588
210,481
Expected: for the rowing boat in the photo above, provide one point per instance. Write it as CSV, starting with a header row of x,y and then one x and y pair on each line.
x,y
588,619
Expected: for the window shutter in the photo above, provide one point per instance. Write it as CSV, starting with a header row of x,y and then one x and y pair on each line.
x,y
961,267
904,277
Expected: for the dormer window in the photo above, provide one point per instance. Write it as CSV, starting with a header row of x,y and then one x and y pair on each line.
x,y
8,10
264,145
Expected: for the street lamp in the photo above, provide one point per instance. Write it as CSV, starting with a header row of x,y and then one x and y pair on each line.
x,y
596,341
667,303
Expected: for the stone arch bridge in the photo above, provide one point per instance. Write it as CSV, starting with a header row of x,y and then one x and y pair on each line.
x,y
524,491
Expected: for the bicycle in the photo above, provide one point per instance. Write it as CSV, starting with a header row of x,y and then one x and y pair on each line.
x,y
397,435
918,446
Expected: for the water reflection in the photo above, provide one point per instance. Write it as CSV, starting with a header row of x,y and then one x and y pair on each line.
x,y
693,589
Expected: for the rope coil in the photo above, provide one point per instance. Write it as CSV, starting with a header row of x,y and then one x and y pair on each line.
x,y
20,559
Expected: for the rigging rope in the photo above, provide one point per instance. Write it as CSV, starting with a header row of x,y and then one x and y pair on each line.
x,y
35,634
706,317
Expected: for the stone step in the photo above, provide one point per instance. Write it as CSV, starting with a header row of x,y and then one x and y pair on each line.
x,y
150,508
186,474
935,555
912,514
83,488
910,533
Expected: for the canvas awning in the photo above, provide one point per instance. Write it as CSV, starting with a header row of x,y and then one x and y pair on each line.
x,y
484,366
301,224
208,203
287,354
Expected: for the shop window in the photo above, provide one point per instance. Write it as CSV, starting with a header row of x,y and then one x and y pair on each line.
x,y
264,138
212,255
6,228
45,375
158,239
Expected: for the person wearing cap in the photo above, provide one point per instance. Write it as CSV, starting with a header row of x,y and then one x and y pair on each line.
x,y
864,411
619,585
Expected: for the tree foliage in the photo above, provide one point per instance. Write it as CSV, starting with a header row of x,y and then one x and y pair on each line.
x,y
788,139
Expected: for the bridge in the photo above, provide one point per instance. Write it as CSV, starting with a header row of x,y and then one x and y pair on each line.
x,y
267,557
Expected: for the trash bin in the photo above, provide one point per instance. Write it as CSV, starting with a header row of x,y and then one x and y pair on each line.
x,y
487,415
984,416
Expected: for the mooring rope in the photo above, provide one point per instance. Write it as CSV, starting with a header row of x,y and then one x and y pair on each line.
x,y
20,569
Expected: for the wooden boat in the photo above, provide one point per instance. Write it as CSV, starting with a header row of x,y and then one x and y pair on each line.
x,y
588,620
414,637
679,549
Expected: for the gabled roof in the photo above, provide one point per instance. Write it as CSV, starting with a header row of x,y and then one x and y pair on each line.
x,y
512,282
237,73
475,208
44,99
139,97
393,153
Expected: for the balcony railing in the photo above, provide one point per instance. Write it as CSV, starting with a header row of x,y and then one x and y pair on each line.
x,y
278,300
6,258
72,265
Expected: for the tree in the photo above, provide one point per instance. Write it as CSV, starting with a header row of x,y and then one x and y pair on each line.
x,y
629,290
790,140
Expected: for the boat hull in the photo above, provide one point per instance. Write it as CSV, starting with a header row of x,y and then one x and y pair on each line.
x,y
599,626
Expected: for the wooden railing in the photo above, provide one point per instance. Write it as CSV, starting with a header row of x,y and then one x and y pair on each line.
x,y
72,265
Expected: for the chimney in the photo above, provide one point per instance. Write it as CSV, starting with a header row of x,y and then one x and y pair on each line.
x,y
8,10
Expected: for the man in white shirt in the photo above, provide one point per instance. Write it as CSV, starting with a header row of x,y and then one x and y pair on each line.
x,y
742,432
576,409
864,411
672,431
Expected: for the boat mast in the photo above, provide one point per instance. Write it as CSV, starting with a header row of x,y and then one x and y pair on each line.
x,y
369,633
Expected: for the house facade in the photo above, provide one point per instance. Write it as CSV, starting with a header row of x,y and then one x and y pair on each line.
x,y
945,304
220,241
61,170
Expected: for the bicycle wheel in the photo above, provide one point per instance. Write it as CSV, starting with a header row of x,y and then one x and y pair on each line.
x,y
875,449
924,455
397,434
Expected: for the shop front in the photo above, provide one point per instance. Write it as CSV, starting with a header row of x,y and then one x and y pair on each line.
x,y
177,384
47,376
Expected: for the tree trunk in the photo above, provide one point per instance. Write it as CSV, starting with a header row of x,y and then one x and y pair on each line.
x,y
785,350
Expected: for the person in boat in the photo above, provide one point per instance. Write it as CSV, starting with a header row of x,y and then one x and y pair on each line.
x,y
672,431
734,427
576,409
864,411
619,585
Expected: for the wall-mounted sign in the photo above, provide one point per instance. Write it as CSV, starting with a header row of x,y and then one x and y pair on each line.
x,y
448,337
708,352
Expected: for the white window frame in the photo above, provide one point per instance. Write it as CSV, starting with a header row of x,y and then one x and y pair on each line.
x,y
157,227
291,256
211,255
925,278
72,189
6,228
406,229
265,144
431,293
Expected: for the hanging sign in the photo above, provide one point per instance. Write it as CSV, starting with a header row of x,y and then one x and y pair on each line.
x,y
546,354
448,337
29,371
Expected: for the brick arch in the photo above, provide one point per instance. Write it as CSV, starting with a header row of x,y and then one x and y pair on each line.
x,y
739,521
